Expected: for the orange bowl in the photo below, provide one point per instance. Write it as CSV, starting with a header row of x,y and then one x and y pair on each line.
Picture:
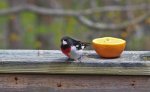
x,y
109,47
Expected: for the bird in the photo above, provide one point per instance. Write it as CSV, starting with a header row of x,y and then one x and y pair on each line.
x,y
73,48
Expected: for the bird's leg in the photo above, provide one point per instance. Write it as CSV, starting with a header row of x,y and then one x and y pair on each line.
x,y
70,59
80,58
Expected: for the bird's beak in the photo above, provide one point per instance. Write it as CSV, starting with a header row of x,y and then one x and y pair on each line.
x,y
64,42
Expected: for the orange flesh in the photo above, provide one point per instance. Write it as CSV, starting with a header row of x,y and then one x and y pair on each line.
x,y
109,47
108,41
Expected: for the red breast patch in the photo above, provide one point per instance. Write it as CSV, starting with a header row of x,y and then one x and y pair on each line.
x,y
66,51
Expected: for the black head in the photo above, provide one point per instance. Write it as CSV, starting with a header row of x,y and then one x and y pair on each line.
x,y
66,40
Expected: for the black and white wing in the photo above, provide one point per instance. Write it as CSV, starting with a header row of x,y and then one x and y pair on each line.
x,y
80,45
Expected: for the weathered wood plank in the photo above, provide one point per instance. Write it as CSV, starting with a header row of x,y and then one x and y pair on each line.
x,y
54,62
73,83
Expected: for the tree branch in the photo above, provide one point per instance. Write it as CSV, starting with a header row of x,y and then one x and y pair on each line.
x,y
91,24
80,14
62,12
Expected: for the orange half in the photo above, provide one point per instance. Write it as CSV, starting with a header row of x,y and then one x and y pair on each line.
x,y
109,47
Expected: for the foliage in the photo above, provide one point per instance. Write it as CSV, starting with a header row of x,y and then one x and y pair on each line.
x,y
54,27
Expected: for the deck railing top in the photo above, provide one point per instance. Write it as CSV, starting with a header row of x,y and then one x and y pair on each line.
x,y
54,62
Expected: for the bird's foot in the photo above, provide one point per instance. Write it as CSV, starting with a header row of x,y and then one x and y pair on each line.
x,y
70,59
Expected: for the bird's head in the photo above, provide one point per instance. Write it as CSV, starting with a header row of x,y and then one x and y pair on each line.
x,y
66,41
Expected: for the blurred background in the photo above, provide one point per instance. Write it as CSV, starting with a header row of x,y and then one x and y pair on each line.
x,y
40,24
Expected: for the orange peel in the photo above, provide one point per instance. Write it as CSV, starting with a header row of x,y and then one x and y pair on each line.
x,y
109,47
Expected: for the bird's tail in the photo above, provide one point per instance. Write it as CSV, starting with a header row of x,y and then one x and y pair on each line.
x,y
86,43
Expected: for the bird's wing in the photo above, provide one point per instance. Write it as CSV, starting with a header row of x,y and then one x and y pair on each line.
x,y
80,45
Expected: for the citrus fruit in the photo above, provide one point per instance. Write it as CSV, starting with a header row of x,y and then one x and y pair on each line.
x,y
109,47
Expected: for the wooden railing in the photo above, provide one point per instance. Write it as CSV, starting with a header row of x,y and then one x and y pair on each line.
x,y
49,71
54,62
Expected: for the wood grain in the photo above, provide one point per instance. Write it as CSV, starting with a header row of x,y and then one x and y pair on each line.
x,y
49,71
73,83
54,62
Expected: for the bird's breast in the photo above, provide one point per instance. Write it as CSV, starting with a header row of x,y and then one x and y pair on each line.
x,y
66,51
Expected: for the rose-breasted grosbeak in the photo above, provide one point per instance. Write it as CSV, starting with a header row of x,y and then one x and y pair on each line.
x,y
73,48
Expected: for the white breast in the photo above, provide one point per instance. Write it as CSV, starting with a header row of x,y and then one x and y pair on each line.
x,y
75,54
